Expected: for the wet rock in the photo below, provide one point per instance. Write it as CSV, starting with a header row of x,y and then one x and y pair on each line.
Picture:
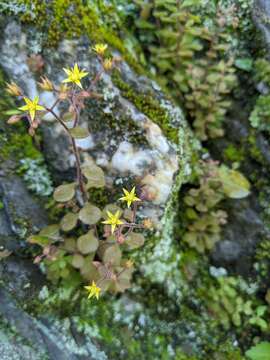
x,y
22,212
243,232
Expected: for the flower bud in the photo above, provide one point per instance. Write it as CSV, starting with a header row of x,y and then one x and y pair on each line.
x,y
14,119
100,49
45,84
13,89
129,264
147,224
120,239
31,131
108,64
63,91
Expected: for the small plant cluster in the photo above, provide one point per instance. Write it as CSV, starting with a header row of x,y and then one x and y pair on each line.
x,y
203,214
79,247
260,115
190,57
229,306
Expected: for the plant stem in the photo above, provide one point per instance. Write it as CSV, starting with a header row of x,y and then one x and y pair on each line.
x,y
75,151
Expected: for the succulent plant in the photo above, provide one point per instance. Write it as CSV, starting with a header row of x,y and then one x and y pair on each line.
x,y
78,248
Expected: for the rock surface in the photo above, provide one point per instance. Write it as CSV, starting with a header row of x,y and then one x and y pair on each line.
x,y
124,141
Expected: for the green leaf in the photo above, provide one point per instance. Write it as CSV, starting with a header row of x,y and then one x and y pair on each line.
x,y
69,221
94,175
77,261
259,352
12,112
51,232
40,240
112,255
64,193
89,214
235,185
88,270
79,132
245,64
134,241
68,116
70,245
87,243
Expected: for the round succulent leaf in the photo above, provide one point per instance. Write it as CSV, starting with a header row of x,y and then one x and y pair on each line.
x,y
134,241
64,193
120,285
87,243
113,208
89,271
90,214
68,116
77,261
106,284
79,133
94,175
51,231
112,255
69,221
64,273
70,244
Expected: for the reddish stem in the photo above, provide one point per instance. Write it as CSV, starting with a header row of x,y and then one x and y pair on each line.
x,y
75,151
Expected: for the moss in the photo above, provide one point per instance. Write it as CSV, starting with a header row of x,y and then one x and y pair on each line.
x,y
254,152
16,144
233,153
99,197
121,124
147,105
72,18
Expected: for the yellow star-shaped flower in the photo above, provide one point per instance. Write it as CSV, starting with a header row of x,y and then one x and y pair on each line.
x,y
100,49
74,75
94,290
113,220
32,106
129,197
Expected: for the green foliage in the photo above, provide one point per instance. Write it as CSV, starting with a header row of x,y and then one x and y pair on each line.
x,y
226,304
260,351
257,318
85,257
259,117
262,71
189,57
262,263
204,218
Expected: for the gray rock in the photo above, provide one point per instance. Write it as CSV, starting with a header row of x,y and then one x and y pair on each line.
x,y
21,210
243,232
44,336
